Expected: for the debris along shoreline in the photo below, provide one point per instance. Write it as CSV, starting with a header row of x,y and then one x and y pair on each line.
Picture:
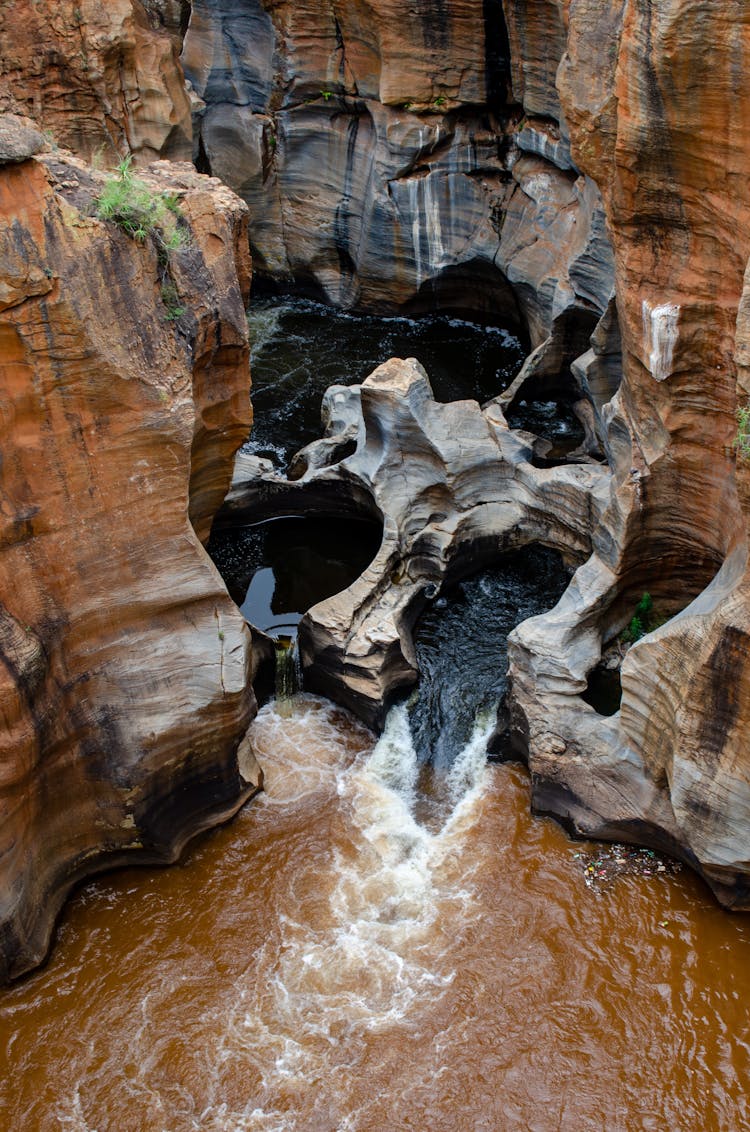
x,y
606,864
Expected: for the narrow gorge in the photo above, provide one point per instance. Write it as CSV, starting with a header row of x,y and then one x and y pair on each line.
x,y
488,264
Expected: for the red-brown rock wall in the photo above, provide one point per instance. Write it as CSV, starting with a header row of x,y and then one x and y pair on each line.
x,y
99,77
123,663
654,98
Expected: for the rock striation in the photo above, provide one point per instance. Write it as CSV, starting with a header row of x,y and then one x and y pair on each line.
x,y
454,487
385,164
124,666
579,169
670,767
101,78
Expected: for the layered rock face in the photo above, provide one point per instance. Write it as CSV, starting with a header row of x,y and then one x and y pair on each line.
x,y
378,154
671,766
124,668
102,78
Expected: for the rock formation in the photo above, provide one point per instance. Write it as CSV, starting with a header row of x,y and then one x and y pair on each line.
x,y
670,768
454,487
580,170
124,682
379,157
98,76
622,230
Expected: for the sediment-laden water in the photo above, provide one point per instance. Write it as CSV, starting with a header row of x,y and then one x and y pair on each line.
x,y
386,939
327,962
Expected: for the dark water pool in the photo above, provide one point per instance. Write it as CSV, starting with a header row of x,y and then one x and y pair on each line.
x,y
553,420
461,644
300,347
278,569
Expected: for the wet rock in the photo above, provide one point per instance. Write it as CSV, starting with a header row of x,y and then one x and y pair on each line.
x,y
670,768
374,149
455,489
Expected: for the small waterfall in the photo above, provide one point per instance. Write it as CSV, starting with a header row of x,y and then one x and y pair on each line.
x,y
288,680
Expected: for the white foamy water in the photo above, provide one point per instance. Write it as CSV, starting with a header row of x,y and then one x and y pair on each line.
x,y
357,951
263,326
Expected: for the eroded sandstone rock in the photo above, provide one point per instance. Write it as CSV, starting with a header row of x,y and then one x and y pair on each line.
x,y
376,152
124,666
670,768
99,77
454,487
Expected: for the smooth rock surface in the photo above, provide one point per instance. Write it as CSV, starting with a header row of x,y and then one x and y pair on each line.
x,y
455,489
377,149
124,667
19,138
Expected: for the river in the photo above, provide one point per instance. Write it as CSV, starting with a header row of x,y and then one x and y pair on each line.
x,y
386,940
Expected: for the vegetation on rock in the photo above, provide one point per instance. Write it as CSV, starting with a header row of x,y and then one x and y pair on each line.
x,y
139,211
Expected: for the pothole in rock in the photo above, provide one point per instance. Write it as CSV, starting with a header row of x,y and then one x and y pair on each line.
x,y
277,569
604,690
553,421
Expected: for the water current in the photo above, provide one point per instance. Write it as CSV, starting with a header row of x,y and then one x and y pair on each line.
x,y
299,348
328,962
383,942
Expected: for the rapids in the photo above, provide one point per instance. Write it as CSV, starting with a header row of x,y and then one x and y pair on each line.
x,y
327,962
385,939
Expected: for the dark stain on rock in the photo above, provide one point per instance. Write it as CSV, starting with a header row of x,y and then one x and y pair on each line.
x,y
435,18
725,677
496,53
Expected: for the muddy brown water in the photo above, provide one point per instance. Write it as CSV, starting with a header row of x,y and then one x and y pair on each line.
x,y
327,963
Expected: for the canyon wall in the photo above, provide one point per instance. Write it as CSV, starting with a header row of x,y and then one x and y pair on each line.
x,y
100,78
654,101
124,665
603,160
578,170
379,157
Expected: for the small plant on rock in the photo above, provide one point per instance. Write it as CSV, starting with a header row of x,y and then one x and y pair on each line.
x,y
641,622
742,439
171,299
139,211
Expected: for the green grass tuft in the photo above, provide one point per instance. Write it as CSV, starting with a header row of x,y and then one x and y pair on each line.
x,y
742,439
139,211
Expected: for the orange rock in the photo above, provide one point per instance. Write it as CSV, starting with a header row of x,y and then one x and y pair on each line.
x,y
123,663
98,76
659,118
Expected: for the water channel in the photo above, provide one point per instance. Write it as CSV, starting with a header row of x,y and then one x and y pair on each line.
x,y
386,940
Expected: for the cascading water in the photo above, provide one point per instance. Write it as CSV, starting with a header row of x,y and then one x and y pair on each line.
x,y
288,673
384,939
333,961
461,648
